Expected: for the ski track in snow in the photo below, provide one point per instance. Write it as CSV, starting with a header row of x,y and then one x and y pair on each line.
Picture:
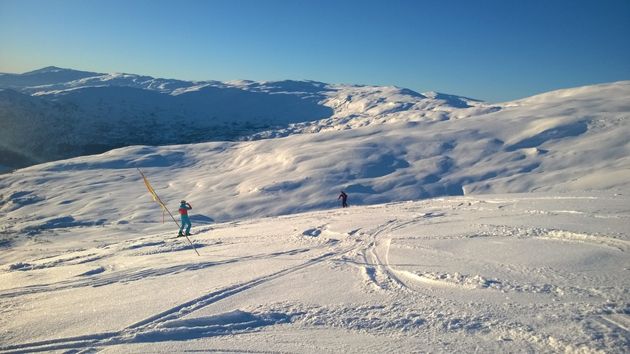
x,y
150,328
145,327
135,274
378,272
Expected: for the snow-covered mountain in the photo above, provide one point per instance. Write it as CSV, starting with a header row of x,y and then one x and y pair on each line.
x,y
380,144
80,113
471,227
567,140
49,75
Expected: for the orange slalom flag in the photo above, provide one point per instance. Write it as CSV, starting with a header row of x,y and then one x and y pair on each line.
x,y
157,199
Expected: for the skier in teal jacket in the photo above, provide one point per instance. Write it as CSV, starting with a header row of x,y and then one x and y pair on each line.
x,y
183,212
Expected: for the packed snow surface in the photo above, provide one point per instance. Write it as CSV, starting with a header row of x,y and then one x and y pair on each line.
x,y
513,273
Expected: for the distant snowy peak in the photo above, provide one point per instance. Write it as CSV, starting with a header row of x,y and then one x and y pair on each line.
x,y
46,76
48,69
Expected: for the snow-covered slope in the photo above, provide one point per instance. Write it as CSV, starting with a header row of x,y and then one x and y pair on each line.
x,y
102,111
505,273
570,140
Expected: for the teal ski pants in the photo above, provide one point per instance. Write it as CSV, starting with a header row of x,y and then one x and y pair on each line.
x,y
185,223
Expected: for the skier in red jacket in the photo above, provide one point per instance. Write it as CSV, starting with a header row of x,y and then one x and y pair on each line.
x,y
183,212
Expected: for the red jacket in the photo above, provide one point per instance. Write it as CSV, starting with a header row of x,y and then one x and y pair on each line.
x,y
183,209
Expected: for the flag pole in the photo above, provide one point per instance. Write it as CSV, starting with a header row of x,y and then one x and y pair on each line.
x,y
157,199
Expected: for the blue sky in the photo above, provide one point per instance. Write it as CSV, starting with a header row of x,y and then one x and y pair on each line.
x,y
491,50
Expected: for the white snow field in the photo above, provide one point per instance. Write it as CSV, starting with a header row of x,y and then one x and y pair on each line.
x,y
503,231
510,273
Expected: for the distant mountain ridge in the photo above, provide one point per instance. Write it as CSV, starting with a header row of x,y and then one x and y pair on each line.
x,y
55,113
45,76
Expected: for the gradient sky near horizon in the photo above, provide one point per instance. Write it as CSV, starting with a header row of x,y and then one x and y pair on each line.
x,y
494,50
